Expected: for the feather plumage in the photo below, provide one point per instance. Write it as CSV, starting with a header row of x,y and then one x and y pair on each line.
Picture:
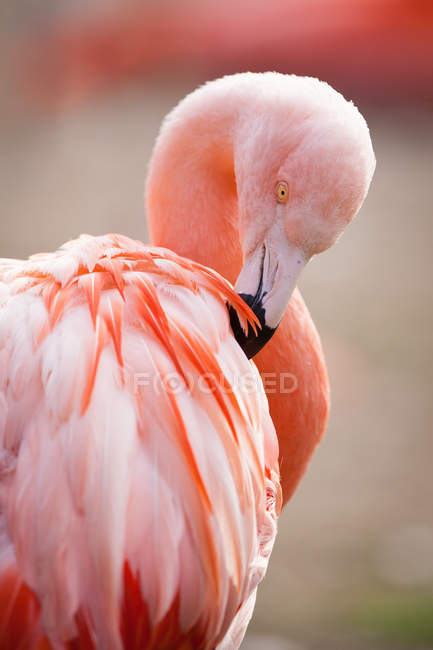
x,y
122,525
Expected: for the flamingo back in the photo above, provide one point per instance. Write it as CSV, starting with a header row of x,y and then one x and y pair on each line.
x,y
139,484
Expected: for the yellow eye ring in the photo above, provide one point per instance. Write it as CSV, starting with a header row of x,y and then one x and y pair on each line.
x,y
282,192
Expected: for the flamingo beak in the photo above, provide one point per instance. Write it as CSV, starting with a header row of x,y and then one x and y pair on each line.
x,y
266,283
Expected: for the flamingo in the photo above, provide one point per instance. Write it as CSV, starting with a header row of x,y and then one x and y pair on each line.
x,y
139,471
377,49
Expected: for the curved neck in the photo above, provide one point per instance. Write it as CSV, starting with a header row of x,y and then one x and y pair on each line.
x,y
193,210
191,189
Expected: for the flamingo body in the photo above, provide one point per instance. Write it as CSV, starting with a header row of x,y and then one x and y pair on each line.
x,y
139,473
139,513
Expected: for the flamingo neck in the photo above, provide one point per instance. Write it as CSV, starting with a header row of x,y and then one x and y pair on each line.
x,y
191,188
192,209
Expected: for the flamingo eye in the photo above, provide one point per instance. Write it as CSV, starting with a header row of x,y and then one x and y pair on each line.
x,y
282,192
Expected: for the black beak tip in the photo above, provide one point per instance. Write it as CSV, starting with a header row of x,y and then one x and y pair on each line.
x,y
251,343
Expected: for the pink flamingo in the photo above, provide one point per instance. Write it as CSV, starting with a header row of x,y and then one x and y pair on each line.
x,y
381,48
139,476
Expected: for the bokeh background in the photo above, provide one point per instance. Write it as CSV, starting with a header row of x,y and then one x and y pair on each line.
x,y
84,88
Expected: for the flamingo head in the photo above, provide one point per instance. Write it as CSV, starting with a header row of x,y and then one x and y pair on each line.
x,y
303,164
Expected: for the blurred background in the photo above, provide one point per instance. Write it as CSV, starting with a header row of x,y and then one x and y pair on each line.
x,y
85,86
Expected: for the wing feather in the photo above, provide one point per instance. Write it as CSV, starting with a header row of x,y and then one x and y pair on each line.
x,y
138,476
